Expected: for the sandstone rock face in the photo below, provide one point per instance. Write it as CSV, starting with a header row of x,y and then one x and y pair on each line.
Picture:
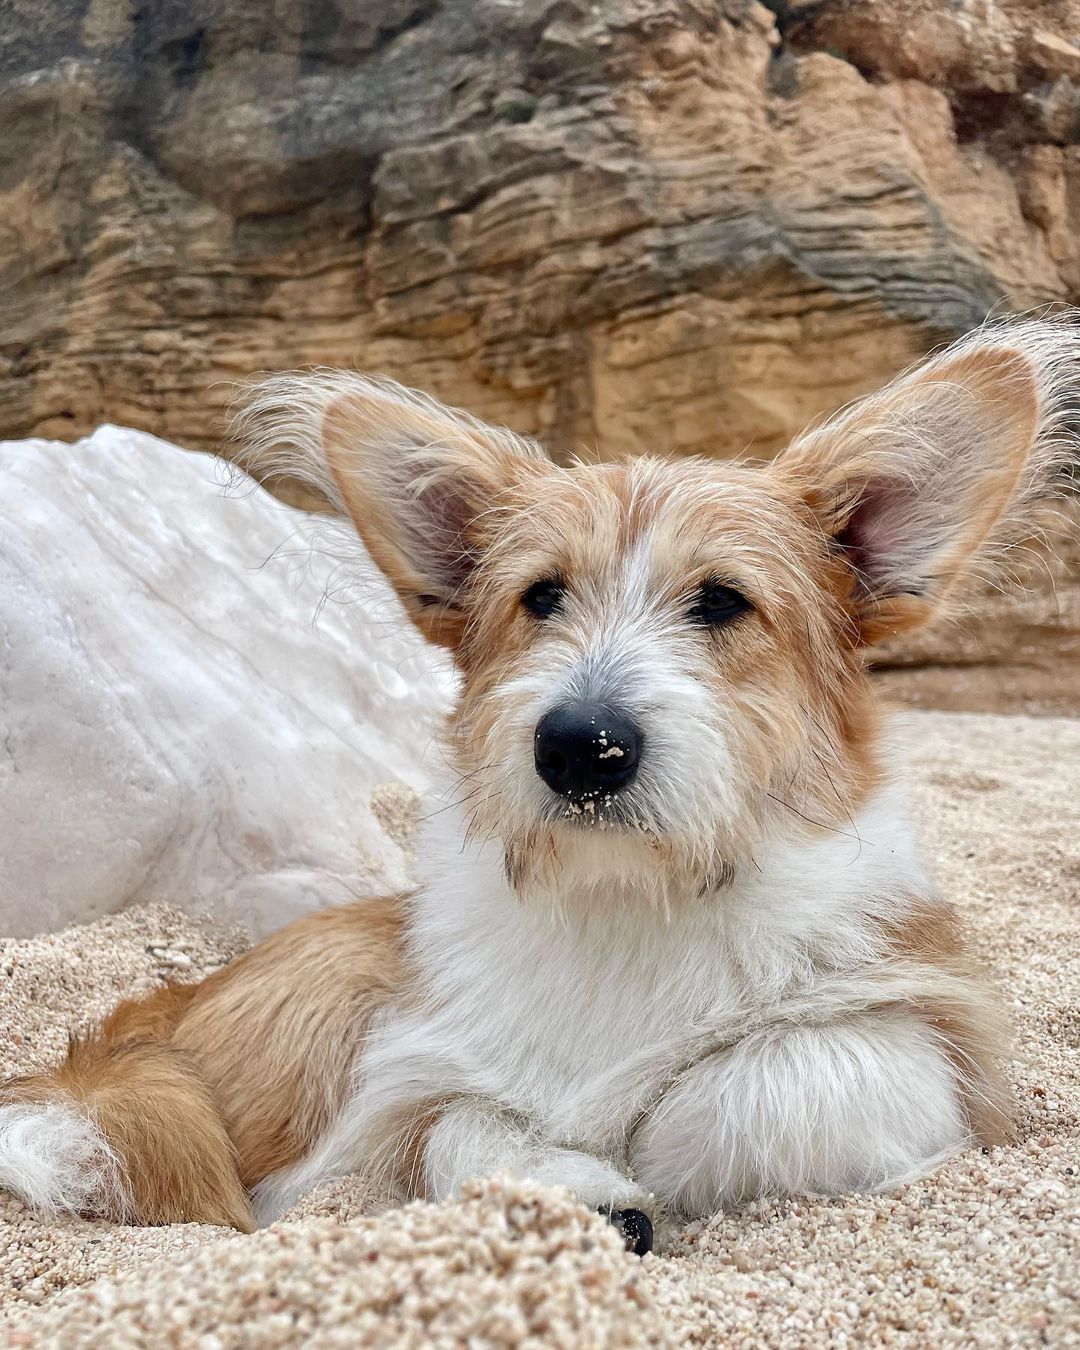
x,y
682,225
173,725
674,224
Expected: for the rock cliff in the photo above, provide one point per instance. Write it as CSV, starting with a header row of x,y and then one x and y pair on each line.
x,y
672,224
686,224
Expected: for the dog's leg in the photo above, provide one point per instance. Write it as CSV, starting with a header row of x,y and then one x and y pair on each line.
x,y
859,1104
469,1138
474,1138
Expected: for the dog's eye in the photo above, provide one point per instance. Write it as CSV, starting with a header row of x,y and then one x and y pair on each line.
x,y
543,598
717,603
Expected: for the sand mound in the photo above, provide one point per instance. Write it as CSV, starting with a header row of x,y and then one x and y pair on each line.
x,y
987,1252
508,1262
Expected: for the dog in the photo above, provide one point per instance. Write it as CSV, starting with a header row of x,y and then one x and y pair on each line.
x,y
674,947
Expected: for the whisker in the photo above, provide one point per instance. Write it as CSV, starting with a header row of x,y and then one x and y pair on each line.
x,y
821,824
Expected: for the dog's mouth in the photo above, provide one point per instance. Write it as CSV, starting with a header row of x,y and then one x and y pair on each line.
x,y
599,810
609,854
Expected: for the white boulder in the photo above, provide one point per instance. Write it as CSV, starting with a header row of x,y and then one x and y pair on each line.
x,y
182,719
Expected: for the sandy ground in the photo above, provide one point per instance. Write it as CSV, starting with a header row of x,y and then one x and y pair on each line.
x,y
985,1253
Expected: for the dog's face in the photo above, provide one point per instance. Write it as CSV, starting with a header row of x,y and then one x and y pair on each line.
x,y
663,660
657,657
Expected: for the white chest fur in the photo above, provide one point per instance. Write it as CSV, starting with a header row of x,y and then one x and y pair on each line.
x,y
619,1045
577,1023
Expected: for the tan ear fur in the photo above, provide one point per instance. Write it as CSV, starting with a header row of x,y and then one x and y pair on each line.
x,y
416,479
912,484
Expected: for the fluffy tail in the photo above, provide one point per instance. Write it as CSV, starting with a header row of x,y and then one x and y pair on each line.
x,y
125,1129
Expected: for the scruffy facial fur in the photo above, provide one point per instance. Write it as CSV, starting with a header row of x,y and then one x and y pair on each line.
x,y
694,962
753,728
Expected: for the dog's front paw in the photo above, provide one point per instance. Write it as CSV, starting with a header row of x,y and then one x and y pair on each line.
x,y
635,1228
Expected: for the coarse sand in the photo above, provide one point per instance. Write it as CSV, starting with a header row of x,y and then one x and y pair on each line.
x,y
985,1253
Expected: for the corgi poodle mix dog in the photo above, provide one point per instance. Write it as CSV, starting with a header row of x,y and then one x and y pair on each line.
x,y
674,947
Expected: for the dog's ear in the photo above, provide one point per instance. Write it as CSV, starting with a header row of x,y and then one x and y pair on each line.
x,y
422,483
912,484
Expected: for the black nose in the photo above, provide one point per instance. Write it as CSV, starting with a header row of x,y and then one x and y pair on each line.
x,y
585,750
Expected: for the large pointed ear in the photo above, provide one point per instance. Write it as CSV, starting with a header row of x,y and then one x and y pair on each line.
x,y
420,482
914,484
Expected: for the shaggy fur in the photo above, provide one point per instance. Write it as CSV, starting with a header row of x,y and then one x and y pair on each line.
x,y
727,977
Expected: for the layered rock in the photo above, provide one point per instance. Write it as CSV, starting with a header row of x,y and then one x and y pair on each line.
x,y
683,225
686,225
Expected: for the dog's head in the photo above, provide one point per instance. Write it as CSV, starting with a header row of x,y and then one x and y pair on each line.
x,y
662,660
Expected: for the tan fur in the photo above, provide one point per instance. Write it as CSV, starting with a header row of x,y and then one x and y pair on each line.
x,y
970,1024
157,1112
276,1031
203,1090
406,1175
489,462
983,404
462,518
794,671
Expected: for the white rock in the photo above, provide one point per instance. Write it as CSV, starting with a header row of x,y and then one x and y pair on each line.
x,y
174,723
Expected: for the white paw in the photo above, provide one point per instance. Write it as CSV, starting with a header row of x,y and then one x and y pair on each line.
x,y
596,1184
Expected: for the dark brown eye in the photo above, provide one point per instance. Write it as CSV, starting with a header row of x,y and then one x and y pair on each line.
x,y
716,604
543,598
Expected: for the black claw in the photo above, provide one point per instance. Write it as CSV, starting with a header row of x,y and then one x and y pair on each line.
x,y
635,1226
